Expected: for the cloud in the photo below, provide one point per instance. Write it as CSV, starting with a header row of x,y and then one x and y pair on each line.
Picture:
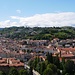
x,y
18,11
7,23
15,17
43,20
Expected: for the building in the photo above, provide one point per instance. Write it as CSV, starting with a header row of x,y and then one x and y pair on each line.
x,y
7,63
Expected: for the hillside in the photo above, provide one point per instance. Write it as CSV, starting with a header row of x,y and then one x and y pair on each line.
x,y
46,33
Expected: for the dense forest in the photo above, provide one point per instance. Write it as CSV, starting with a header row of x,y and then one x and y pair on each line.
x,y
46,33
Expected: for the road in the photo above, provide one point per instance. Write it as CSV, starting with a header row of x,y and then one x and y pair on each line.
x,y
34,72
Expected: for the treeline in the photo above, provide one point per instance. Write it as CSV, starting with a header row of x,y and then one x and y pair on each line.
x,y
53,66
14,71
46,33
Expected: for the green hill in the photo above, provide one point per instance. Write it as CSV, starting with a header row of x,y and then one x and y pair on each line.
x,y
39,33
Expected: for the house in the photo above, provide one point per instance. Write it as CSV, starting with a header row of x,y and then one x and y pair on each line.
x,y
7,63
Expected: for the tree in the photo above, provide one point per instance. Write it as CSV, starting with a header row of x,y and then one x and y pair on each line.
x,y
62,63
58,72
67,74
2,73
49,57
23,72
63,60
53,67
61,66
48,71
46,62
38,67
69,67
63,72
42,67
56,61
13,71
31,70
35,62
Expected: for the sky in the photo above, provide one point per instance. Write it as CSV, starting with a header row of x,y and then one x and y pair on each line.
x,y
37,13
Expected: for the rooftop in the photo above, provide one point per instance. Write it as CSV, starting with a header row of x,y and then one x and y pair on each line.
x,y
10,62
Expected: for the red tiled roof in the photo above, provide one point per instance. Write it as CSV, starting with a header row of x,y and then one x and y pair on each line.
x,y
14,62
67,55
67,49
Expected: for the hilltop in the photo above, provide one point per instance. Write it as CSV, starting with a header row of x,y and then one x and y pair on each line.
x,y
45,33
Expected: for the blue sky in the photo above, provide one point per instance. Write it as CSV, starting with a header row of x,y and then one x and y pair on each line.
x,y
23,10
